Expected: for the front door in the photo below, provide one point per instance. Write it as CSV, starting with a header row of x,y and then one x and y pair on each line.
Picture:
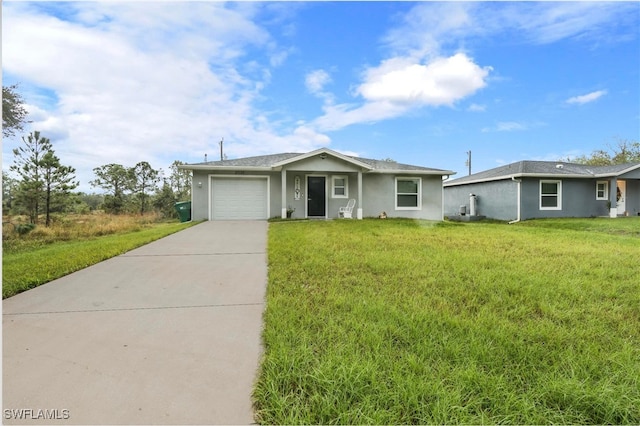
x,y
316,196
622,196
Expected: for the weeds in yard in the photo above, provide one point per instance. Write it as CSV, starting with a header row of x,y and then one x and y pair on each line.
x,y
69,227
413,322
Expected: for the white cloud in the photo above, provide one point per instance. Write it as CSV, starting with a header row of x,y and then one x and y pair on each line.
x,y
589,97
399,85
477,108
509,126
316,80
553,21
513,126
339,116
439,82
505,126
427,26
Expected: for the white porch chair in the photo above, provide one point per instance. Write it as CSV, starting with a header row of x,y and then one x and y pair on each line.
x,y
345,212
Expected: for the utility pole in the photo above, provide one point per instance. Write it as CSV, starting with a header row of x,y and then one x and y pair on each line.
x,y
468,162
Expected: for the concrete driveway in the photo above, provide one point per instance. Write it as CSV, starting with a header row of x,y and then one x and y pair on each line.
x,y
168,333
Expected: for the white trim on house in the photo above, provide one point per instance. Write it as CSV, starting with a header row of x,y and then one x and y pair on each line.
x,y
418,194
557,194
344,187
604,190
212,177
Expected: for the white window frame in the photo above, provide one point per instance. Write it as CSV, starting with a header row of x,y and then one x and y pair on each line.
x,y
605,192
418,194
334,186
558,194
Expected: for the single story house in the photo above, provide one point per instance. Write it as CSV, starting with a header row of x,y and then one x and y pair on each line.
x,y
315,184
545,189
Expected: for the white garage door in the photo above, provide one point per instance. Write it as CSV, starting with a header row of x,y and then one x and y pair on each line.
x,y
239,198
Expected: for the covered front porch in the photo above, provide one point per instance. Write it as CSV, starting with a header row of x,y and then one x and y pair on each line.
x,y
624,196
320,194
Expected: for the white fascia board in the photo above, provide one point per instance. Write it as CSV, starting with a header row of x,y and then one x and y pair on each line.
x,y
322,151
493,179
413,172
234,168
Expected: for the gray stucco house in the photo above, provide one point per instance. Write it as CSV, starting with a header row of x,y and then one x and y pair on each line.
x,y
313,185
545,189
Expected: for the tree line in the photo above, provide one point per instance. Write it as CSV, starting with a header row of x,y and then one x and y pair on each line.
x,y
40,184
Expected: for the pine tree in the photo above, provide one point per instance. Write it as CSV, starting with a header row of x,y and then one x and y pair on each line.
x,y
28,165
58,182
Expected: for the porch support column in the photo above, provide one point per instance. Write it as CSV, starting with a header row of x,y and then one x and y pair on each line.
x,y
283,193
359,211
613,197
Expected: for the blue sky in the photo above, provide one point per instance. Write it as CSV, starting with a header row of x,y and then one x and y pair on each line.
x,y
419,82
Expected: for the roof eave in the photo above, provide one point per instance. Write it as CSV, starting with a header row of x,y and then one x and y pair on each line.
x,y
413,172
621,172
525,175
233,168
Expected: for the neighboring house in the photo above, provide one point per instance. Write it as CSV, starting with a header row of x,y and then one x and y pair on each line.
x,y
313,185
542,189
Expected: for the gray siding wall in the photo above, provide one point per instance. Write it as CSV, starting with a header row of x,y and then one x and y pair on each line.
x,y
495,200
199,196
379,194
578,199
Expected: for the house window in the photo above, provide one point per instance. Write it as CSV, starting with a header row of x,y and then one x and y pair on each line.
x,y
408,192
550,195
339,188
602,190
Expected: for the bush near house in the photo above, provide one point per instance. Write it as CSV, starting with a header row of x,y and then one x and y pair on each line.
x,y
409,322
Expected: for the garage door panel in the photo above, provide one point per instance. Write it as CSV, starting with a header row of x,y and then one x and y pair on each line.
x,y
239,198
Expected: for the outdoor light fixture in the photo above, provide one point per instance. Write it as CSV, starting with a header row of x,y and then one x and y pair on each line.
x,y
199,184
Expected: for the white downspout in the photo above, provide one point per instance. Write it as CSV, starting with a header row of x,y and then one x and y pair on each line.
x,y
283,193
359,211
519,182
444,179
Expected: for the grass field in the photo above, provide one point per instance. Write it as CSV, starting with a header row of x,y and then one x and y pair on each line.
x,y
409,322
72,243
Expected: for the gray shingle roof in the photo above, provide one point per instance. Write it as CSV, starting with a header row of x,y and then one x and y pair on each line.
x,y
269,160
257,161
542,168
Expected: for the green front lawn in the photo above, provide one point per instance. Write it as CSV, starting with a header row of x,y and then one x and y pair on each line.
x,y
402,321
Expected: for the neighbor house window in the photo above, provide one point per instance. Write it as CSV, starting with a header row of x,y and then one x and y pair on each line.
x,y
339,186
602,190
408,192
550,195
